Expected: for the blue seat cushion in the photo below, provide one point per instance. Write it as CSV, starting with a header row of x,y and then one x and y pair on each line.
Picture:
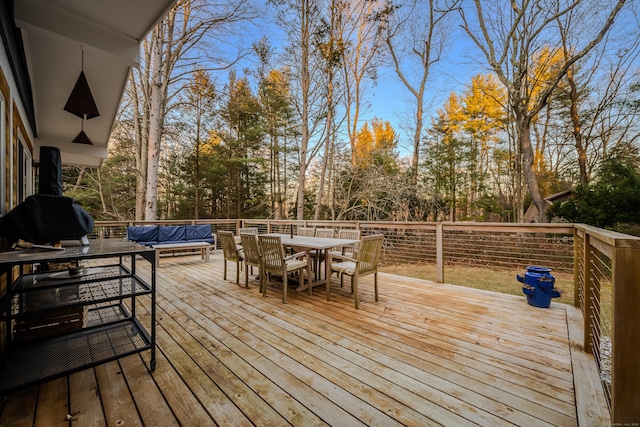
x,y
172,234
199,233
145,234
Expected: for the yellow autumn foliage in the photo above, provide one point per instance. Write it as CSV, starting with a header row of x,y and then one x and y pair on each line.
x,y
484,104
379,137
545,66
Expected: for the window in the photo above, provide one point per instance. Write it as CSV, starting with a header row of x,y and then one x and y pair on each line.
x,y
3,156
25,171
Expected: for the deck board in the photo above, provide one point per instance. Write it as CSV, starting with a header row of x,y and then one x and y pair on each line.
x,y
52,408
153,409
85,405
425,354
117,401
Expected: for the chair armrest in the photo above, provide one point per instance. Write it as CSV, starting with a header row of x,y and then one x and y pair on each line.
x,y
297,255
343,258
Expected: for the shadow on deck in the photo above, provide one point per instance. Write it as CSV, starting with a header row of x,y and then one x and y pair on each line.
x,y
425,354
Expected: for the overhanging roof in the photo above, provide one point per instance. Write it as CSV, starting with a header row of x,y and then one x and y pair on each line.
x,y
54,34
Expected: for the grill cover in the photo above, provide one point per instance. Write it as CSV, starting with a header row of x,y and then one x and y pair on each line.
x,y
47,217
44,218
50,171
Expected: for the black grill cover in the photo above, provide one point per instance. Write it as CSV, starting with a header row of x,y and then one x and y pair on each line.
x,y
43,219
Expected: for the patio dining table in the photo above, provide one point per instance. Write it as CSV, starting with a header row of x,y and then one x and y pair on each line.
x,y
322,244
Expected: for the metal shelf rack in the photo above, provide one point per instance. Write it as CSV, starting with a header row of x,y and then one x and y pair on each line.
x,y
58,323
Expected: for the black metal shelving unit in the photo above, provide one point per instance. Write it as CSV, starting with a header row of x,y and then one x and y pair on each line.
x,y
93,311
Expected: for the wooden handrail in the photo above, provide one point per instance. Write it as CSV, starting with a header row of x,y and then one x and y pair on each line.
x,y
623,252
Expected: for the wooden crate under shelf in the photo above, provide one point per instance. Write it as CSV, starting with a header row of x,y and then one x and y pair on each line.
x,y
49,323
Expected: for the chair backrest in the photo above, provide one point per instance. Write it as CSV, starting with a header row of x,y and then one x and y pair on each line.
x,y
349,233
272,253
308,232
324,232
369,253
248,230
228,243
251,249
353,234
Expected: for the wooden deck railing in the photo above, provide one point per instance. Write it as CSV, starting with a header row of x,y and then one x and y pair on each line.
x,y
606,268
445,244
607,290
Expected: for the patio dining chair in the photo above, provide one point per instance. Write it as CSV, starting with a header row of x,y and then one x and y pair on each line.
x,y
318,256
324,232
231,253
347,250
252,257
303,232
275,262
248,230
306,231
365,263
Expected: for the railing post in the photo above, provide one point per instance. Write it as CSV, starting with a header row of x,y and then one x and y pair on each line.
x,y
625,366
578,235
439,254
587,311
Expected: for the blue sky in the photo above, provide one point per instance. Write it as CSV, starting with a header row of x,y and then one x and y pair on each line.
x,y
392,101
388,98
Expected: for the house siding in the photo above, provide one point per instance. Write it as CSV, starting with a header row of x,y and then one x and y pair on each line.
x,y
13,133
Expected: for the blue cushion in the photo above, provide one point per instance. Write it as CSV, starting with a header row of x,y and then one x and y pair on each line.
x,y
199,233
143,233
171,234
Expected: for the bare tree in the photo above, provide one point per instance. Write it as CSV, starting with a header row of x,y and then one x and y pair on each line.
x,y
186,36
331,47
416,37
612,74
510,37
301,19
363,24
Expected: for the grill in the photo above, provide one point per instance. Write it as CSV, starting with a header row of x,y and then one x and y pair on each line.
x,y
47,217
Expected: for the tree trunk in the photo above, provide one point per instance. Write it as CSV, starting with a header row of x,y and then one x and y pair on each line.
x,y
156,118
100,191
284,190
140,148
529,167
196,186
79,179
416,141
327,146
306,87
577,131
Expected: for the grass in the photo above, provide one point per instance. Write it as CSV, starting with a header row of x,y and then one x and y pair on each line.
x,y
490,279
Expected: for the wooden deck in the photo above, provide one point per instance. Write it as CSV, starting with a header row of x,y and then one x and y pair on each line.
x,y
425,354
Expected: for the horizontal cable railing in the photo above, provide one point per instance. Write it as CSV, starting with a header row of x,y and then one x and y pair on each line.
x,y
607,290
599,292
474,244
